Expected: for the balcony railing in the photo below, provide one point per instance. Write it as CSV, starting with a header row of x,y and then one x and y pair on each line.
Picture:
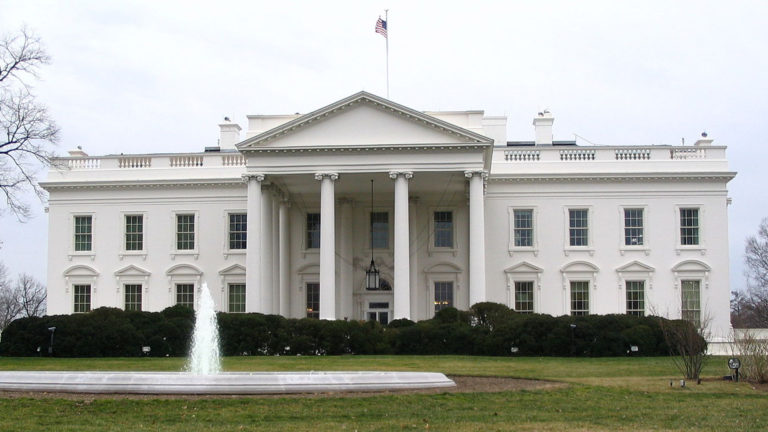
x,y
612,153
154,161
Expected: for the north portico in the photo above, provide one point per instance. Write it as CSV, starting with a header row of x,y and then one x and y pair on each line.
x,y
322,164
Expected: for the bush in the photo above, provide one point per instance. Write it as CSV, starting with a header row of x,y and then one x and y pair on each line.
x,y
486,329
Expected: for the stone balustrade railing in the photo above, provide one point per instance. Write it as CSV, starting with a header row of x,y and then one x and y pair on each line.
x,y
153,161
608,153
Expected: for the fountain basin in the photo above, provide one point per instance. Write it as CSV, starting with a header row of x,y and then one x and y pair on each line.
x,y
222,383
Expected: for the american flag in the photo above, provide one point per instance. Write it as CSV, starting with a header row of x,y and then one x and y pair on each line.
x,y
381,27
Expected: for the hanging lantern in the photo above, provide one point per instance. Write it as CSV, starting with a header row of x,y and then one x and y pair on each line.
x,y
372,274
372,277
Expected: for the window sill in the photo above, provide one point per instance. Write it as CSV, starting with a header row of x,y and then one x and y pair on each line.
x,y
89,254
141,254
193,253
579,249
631,249
438,250
533,250
693,248
235,252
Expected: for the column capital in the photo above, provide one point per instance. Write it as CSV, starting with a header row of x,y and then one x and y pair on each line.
x,y
253,176
331,175
406,174
471,173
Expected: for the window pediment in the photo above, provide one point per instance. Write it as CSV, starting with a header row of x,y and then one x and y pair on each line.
x,y
691,266
81,270
132,270
443,268
523,267
184,270
635,267
233,270
579,267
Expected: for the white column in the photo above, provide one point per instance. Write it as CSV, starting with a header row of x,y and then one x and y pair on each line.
x,y
276,252
414,264
267,256
345,259
285,259
253,244
476,237
402,291
327,245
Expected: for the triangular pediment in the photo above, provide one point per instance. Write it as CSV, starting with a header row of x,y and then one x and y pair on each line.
x,y
636,267
523,267
233,270
132,270
363,120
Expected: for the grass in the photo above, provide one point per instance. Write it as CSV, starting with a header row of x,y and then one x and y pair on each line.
x,y
605,394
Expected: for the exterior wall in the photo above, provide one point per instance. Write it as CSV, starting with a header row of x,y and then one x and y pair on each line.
x,y
108,207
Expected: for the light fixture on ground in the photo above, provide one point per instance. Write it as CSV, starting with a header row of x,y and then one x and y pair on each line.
x,y
372,274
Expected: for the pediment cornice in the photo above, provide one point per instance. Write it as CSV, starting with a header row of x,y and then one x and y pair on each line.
x,y
257,142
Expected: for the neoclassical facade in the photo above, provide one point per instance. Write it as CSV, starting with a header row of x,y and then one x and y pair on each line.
x,y
288,218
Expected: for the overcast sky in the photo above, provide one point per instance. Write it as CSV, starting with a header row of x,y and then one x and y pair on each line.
x,y
158,76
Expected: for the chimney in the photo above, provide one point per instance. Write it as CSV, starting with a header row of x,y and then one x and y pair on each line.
x,y
703,141
542,124
78,152
230,134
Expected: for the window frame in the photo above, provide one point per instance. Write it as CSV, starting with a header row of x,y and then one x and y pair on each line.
x,y
589,246
623,247
572,300
139,295
311,311
512,243
88,306
451,289
230,294
307,236
696,319
73,233
175,234
700,245
532,300
638,312
432,248
228,228
177,294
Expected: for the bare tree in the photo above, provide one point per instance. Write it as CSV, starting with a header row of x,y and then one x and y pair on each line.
x,y
31,296
9,306
750,310
28,130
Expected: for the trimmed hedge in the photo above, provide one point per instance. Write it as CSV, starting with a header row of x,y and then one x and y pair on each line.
x,y
486,329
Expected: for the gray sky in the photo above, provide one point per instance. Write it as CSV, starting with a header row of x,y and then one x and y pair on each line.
x,y
157,76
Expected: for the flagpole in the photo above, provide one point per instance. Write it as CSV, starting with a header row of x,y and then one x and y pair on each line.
x,y
386,18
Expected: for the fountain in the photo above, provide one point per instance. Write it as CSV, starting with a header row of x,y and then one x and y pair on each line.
x,y
203,374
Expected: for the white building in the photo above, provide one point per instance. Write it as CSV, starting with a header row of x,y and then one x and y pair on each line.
x,y
284,220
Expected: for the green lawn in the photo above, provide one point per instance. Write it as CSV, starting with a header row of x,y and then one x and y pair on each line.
x,y
604,394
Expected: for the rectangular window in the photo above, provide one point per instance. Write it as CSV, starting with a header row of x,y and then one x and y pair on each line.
x,y
83,233
633,227
134,232
443,229
578,227
237,298
635,298
238,230
579,298
185,231
185,295
82,298
443,295
313,230
380,230
132,297
691,301
523,228
524,297
313,300
689,226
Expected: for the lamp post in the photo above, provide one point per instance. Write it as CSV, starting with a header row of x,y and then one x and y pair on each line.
x,y
573,329
372,274
50,347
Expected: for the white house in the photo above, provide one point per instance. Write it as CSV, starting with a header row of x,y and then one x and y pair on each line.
x,y
287,221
